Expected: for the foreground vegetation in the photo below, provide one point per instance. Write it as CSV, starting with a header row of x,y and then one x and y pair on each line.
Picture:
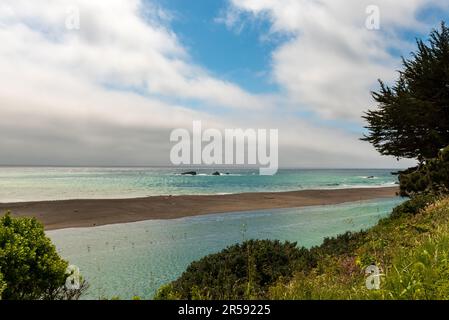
x,y
410,248
30,267
239,272
430,177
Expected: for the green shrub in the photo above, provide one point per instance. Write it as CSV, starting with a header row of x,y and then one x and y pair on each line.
x,y
167,292
413,206
2,285
239,271
31,267
432,177
344,243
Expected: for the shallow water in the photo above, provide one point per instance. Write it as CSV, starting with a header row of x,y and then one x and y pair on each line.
x,y
54,183
137,258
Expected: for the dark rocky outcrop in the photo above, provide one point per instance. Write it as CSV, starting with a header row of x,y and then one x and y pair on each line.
x,y
189,173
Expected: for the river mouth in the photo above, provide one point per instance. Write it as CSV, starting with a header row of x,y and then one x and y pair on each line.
x,y
125,260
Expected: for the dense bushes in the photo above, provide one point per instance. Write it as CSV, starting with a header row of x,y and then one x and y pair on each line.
x,y
240,271
29,264
430,177
341,244
414,205
2,285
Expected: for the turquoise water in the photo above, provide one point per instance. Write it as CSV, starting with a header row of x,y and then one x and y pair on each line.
x,y
42,183
137,258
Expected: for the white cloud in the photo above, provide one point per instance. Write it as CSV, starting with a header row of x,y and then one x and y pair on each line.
x,y
99,95
114,45
332,61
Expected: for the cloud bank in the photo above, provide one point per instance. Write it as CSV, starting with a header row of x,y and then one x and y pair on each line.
x,y
111,92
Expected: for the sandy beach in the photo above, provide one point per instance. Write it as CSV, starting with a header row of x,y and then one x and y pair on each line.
x,y
90,213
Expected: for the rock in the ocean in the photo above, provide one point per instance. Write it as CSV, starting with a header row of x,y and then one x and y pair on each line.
x,y
216,173
189,173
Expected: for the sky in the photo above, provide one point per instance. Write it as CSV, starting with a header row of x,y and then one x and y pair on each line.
x,y
103,83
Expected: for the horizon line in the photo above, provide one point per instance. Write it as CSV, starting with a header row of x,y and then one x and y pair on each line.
x,y
199,167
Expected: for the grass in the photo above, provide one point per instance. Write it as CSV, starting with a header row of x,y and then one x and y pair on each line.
x,y
411,250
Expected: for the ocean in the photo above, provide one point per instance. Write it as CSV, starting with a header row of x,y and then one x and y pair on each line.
x,y
54,183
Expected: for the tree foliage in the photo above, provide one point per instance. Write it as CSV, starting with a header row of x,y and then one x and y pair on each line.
x,y
431,177
241,271
412,118
29,263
